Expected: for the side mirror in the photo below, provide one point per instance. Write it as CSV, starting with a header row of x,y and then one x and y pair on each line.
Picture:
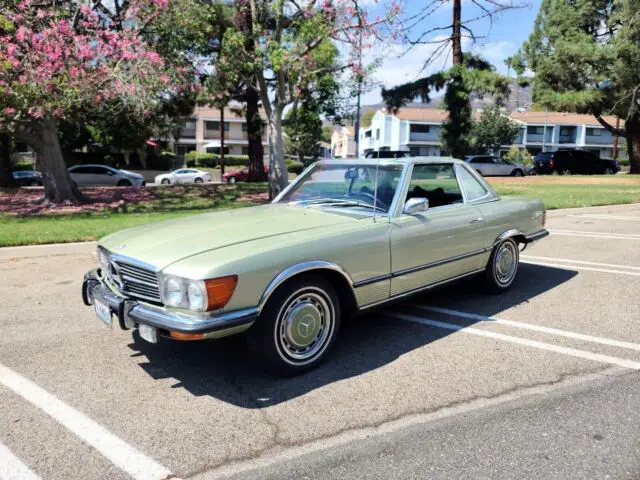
x,y
415,205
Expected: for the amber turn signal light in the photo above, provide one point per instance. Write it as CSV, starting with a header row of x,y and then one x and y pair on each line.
x,y
186,336
219,291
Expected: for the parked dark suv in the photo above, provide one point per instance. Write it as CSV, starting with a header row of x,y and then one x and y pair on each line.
x,y
568,162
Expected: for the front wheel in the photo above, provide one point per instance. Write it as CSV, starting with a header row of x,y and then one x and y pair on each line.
x,y
565,171
297,326
231,180
517,173
165,181
502,267
198,180
124,183
609,171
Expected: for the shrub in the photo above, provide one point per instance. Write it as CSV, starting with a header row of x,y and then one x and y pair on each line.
x,y
163,161
294,167
516,155
213,159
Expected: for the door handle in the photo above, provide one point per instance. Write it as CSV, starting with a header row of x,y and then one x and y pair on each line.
x,y
476,220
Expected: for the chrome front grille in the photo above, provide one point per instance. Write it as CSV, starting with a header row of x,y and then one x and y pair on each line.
x,y
134,280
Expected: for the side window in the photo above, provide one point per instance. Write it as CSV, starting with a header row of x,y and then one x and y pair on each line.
x,y
436,183
81,170
472,187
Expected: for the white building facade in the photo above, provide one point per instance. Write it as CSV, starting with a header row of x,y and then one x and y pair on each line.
x,y
418,130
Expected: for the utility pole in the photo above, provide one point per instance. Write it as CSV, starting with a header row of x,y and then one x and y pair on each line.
x,y
356,127
221,141
544,134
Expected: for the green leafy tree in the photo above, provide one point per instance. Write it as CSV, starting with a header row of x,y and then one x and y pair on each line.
x,y
467,74
586,59
492,130
303,130
366,118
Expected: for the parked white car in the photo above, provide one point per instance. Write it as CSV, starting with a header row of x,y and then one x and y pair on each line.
x,y
103,175
183,175
490,166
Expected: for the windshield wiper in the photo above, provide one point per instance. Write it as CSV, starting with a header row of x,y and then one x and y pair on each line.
x,y
334,202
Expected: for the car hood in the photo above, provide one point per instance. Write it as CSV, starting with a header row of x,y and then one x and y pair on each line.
x,y
162,244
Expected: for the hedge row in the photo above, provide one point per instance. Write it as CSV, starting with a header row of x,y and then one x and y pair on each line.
x,y
213,159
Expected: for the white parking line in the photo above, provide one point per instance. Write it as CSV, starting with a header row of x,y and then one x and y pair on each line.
x,y
120,453
567,260
605,217
580,267
596,357
11,468
534,327
579,233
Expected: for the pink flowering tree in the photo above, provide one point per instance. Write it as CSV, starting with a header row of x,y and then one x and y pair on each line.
x,y
295,47
64,60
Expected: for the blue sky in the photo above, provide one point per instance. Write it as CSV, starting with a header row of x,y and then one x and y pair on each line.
x,y
509,31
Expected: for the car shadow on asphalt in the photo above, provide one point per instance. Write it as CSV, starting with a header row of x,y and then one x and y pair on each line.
x,y
223,368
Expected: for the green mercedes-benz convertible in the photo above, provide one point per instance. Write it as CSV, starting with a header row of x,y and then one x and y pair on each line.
x,y
345,236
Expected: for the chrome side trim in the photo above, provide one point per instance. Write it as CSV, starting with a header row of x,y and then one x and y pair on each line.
x,y
421,289
369,281
532,237
439,262
508,234
293,270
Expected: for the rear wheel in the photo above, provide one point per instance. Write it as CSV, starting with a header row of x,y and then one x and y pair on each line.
x,y
165,181
517,173
297,326
198,180
609,171
502,267
231,180
565,171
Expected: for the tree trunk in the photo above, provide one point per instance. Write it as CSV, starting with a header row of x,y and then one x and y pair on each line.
x,y
254,134
278,178
632,126
58,187
6,179
456,36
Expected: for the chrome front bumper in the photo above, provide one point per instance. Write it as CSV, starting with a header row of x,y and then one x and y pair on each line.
x,y
131,313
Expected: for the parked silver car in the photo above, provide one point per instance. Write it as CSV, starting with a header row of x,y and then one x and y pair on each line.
x,y
183,175
103,175
489,166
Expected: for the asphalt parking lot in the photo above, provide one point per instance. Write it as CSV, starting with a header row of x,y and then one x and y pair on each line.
x,y
80,401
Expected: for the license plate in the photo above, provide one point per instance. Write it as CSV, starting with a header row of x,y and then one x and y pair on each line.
x,y
103,312
150,334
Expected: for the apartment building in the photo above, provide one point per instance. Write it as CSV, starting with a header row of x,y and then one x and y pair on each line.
x,y
418,130
202,133
414,129
343,142
554,130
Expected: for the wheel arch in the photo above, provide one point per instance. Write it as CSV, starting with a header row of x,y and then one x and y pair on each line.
x,y
514,233
332,272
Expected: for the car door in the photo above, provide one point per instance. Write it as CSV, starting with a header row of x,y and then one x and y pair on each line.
x,y
104,176
443,242
81,175
502,167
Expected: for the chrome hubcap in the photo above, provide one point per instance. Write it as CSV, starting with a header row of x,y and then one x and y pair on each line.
x,y
304,326
506,262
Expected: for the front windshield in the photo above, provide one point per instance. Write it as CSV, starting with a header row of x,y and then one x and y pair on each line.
x,y
342,185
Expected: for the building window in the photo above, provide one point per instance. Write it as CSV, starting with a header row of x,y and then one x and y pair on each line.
x,y
245,127
215,125
535,130
594,132
418,128
377,134
367,134
245,150
566,131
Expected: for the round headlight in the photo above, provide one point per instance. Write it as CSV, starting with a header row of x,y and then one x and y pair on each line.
x,y
173,292
197,295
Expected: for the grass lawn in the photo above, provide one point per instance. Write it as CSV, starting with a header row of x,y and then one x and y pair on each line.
x,y
574,191
24,222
